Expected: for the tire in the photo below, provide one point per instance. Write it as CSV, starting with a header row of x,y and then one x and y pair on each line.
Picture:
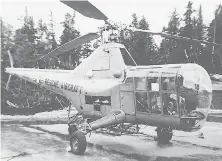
x,y
78,142
164,136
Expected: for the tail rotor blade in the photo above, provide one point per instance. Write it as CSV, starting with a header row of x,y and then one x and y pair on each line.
x,y
9,78
11,59
12,66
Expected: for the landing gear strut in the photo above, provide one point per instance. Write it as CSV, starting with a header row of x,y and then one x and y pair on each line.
x,y
164,135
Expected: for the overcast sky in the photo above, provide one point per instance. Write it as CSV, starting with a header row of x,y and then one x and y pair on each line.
x,y
157,12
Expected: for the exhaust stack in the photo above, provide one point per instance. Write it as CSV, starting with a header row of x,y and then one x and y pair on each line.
x,y
115,117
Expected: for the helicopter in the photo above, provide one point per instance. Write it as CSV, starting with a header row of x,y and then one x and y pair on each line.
x,y
109,89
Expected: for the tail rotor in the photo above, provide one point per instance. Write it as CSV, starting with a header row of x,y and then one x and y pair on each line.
x,y
12,66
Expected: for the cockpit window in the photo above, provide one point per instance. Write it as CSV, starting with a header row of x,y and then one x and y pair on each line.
x,y
102,100
153,83
168,83
128,60
129,80
140,83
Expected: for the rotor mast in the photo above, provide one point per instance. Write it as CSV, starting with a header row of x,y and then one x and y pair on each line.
x,y
110,33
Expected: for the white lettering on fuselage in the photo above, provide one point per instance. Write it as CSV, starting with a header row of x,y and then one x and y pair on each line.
x,y
57,84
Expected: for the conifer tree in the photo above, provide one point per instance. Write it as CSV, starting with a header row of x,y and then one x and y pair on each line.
x,y
140,45
171,50
25,39
51,32
188,31
70,59
199,26
6,44
215,25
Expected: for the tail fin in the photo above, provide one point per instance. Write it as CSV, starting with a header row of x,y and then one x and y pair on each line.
x,y
107,60
12,66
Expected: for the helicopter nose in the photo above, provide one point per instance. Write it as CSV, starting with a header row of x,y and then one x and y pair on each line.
x,y
197,92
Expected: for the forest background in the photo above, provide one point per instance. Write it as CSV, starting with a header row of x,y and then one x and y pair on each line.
x,y
34,40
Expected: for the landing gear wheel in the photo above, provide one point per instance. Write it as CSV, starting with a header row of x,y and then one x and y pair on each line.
x,y
78,142
164,135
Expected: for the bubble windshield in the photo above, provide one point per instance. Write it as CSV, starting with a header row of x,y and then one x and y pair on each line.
x,y
196,89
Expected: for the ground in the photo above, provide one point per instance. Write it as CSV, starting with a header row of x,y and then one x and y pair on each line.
x,y
39,145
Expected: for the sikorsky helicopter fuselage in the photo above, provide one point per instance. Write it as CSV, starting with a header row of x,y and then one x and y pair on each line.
x,y
108,88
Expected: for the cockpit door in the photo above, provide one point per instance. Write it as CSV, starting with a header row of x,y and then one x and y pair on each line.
x,y
169,92
127,102
127,97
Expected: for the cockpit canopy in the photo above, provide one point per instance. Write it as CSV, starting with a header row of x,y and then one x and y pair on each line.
x,y
188,86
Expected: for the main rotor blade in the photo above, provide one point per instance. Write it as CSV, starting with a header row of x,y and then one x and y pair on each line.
x,y
70,45
85,8
189,39
174,36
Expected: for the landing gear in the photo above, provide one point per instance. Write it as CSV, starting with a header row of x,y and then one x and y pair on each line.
x,y
78,128
164,135
78,142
